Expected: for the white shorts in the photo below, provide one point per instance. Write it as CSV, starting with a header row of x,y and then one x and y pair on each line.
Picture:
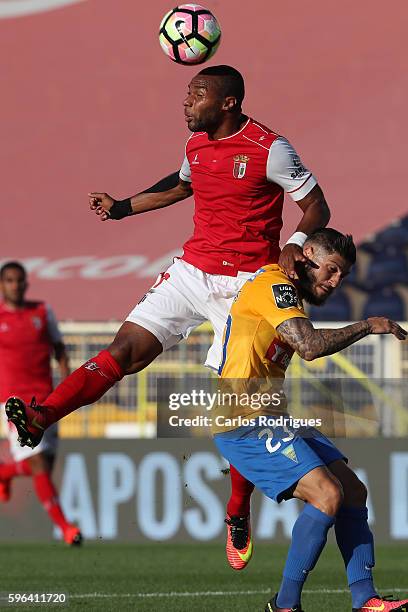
x,y
48,444
181,299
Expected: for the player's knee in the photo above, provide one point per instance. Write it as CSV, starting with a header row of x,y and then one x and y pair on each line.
x,y
122,350
134,348
355,491
331,497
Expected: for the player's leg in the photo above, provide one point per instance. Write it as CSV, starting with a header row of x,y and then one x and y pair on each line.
x,y
353,534
18,466
323,495
239,546
133,349
11,470
41,466
161,319
283,469
38,464
356,542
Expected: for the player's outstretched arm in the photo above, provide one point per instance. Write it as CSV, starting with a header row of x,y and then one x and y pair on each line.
x,y
310,343
316,214
166,192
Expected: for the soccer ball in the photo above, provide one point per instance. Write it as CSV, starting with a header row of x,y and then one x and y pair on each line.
x,y
189,34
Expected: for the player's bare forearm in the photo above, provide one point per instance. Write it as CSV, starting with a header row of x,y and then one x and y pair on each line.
x,y
62,358
316,213
64,368
310,343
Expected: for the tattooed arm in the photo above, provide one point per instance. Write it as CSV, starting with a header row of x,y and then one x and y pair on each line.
x,y
310,343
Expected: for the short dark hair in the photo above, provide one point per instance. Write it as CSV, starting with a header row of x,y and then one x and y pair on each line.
x,y
334,242
231,81
12,265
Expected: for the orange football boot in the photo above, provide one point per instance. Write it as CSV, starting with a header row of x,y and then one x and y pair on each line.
x,y
239,541
383,604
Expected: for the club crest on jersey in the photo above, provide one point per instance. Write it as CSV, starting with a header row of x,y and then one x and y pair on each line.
x,y
290,453
37,322
240,164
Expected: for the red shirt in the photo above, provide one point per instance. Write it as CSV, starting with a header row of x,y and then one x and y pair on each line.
x,y
25,352
238,207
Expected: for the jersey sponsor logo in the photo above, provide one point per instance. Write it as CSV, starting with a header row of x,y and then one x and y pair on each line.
x,y
17,8
285,296
240,164
299,169
279,353
227,263
195,160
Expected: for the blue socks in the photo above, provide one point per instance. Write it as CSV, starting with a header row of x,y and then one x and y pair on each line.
x,y
356,545
309,536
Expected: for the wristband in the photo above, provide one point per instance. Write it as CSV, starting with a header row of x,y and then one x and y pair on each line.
x,y
298,238
120,209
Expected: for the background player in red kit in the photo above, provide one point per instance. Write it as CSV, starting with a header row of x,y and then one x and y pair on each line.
x,y
238,171
29,328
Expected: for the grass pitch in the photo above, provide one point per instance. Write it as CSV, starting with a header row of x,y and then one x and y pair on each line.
x,y
178,578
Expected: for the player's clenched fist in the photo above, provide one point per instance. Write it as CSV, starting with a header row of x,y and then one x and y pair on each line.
x,y
101,203
382,325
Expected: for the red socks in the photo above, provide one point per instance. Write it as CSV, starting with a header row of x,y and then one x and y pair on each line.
x,y
44,489
48,497
84,386
241,491
15,468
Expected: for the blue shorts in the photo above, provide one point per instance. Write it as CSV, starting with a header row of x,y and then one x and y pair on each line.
x,y
274,460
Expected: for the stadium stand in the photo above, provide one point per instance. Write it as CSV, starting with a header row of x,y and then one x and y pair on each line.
x,y
378,283
338,309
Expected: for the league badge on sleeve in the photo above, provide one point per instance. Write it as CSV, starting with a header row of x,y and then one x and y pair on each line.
x,y
285,296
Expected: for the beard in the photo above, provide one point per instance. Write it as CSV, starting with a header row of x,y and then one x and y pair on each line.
x,y
307,283
195,126
206,122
